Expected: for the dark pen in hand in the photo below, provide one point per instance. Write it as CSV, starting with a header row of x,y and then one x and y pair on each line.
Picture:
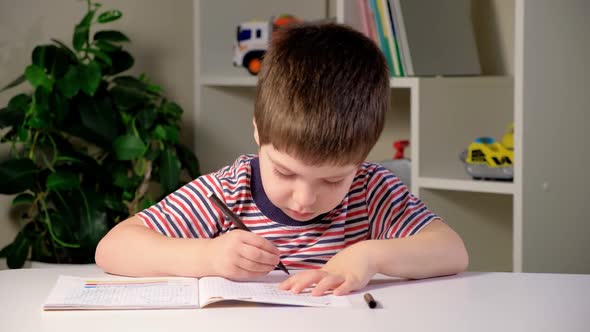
x,y
237,222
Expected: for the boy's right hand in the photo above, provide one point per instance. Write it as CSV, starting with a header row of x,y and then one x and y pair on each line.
x,y
240,255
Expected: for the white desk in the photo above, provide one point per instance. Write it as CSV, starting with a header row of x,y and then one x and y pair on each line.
x,y
466,302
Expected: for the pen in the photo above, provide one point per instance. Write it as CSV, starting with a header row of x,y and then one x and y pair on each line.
x,y
237,222
370,300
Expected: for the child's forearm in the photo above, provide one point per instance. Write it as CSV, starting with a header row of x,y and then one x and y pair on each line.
x,y
435,251
132,249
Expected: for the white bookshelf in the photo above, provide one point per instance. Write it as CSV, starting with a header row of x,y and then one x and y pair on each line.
x,y
440,116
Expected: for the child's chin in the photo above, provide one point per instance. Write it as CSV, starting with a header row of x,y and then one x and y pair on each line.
x,y
300,216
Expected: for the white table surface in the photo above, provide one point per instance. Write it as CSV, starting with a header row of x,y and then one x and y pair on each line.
x,y
465,302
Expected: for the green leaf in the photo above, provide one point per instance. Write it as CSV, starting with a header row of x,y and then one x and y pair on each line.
x,y
146,117
23,134
90,78
126,97
169,171
123,180
128,147
93,218
14,114
63,180
37,77
100,55
172,110
98,114
109,16
121,62
14,83
111,36
188,160
69,85
73,57
5,250
19,251
65,219
166,133
52,59
146,202
17,175
82,30
41,115
106,46
23,199
114,203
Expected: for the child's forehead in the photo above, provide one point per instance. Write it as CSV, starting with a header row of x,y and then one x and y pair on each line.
x,y
293,163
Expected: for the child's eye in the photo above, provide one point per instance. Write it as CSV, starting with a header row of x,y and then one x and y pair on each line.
x,y
282,175
334,183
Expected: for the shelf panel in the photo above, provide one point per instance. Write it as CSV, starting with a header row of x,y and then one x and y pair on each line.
x,y
494,187
229,81
403,82
226,80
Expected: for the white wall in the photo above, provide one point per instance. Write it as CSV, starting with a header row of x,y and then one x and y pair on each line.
x,y
161,34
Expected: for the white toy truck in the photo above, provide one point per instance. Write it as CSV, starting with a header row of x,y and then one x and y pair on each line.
x,y
252,41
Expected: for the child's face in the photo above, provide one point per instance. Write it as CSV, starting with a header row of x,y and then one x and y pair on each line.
x,y
302,191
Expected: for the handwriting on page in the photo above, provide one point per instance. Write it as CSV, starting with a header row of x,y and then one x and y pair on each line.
x,y
107,293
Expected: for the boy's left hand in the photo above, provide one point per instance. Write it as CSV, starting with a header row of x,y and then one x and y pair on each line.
x,y
349,270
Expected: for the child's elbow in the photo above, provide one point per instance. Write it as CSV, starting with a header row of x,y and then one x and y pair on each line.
x,y
99,254
461,259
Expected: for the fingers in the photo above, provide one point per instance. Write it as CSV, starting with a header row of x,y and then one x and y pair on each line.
x,y
327,283
345,288
322,280
258,242
256,255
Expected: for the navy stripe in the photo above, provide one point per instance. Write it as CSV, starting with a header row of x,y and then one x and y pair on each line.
x,y
188,223
235,190
409,219
170,222
348,236
205,203
232,181
422,223
155,221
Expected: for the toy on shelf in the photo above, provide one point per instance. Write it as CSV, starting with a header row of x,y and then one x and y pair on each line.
x,y
508,138
486,159
252,40
399,165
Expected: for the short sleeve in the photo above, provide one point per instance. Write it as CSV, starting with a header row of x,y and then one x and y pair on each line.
x,y
187,212
393,211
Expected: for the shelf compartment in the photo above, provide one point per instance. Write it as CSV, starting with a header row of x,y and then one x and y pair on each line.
x,y
450,113
484,222
218,21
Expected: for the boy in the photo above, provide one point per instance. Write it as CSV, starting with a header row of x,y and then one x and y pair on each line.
x,y
308,198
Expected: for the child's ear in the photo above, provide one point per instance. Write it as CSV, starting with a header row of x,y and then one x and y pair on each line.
x,y
256,132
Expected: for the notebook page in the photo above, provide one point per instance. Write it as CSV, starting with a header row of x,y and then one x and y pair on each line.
x,y
78,293
215,289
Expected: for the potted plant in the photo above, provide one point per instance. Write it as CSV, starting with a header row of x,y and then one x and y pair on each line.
x,y
86,144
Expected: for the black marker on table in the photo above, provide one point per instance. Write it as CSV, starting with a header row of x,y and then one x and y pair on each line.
x,y
237,222
370,300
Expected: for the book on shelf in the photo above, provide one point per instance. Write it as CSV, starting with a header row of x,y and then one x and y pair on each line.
x,y
423,37
127,293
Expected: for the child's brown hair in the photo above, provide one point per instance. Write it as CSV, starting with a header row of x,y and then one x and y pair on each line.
x,y
322,94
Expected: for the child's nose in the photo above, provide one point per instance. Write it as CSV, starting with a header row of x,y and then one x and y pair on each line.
x,y
304,196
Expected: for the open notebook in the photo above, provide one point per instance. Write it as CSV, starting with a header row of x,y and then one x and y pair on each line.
x,y
123,293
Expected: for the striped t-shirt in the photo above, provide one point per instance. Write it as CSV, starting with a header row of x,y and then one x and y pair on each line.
x,y
377,206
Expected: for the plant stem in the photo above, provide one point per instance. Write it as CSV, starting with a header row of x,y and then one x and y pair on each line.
x,y
32,150
53,236
141,190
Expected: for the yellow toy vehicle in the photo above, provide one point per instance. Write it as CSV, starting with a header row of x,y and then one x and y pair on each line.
x,y
487,159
